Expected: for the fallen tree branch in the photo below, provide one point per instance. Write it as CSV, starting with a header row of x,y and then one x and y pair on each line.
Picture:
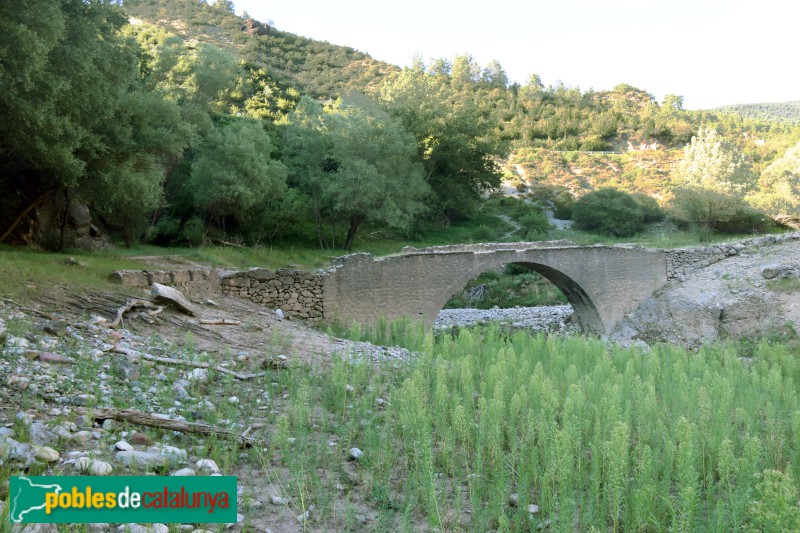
x,y
42,314
134,303
221,322
133,354
148,420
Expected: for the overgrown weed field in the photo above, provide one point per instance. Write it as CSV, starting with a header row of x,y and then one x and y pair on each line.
x,y
596,437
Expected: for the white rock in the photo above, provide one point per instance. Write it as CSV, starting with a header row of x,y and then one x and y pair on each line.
x,y
207,465
123,446
100,468
355,454
46,454
277,500
233,399
198,374
184,472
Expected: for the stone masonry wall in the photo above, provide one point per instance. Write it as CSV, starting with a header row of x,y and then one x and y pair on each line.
x,y
683,261
193,283
297,293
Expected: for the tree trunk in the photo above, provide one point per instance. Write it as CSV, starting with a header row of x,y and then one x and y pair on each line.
x,y
64,219
355,221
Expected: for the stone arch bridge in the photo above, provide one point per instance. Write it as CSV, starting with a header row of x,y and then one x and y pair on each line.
x,y
603,283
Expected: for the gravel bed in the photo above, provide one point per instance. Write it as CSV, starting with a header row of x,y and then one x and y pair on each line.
x,y
551,319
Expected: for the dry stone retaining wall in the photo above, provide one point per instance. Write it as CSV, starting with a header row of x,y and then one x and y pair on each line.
x,y
193,283
297,293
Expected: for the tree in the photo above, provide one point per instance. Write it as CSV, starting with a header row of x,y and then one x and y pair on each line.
x,y
454,141
609,212
779,187
494,75
69,92
711,181
234,172
306,154
465,70
377,177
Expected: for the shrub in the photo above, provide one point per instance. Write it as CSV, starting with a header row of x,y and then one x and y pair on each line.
x,y
650,208
711,211
609,212
534,223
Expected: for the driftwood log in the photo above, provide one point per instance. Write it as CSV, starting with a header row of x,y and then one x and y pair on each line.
x,y
134,355
145,419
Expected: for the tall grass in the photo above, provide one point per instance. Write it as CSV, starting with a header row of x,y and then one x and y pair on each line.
x,y
597,437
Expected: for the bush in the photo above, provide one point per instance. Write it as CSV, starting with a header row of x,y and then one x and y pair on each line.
x,y
711,211
535,223
650,208
562,205
608,212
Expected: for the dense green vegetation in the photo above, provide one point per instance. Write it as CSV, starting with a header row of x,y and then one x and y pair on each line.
x,y
780,111
192,125
516,286
597,438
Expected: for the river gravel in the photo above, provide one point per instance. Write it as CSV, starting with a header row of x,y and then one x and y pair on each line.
x,y
552,319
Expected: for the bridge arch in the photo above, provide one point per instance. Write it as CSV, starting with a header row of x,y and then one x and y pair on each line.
x,y
603,283
585,310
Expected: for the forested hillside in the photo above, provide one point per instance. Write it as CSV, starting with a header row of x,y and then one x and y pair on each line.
x,y
780,111
179,122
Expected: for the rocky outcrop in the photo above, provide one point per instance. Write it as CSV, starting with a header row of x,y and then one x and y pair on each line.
x,y
253,27
715,299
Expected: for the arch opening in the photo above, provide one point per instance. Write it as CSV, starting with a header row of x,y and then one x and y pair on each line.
x,y
585,313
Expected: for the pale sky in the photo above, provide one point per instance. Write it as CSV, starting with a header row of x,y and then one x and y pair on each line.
x,y
712,52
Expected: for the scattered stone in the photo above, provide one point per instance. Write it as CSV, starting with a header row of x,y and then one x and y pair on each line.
x,y
233,399
278,500
279,313
141,459
41,436
123,446
184,472
513,500
354,454
209,301
18,382
82,437
163,294
361,519
46,454
207,465
55,327
141,439
94,467
98,528
380,402
71,261
19,452
349,388
109,424
198,374
25,418
533,508
84,400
